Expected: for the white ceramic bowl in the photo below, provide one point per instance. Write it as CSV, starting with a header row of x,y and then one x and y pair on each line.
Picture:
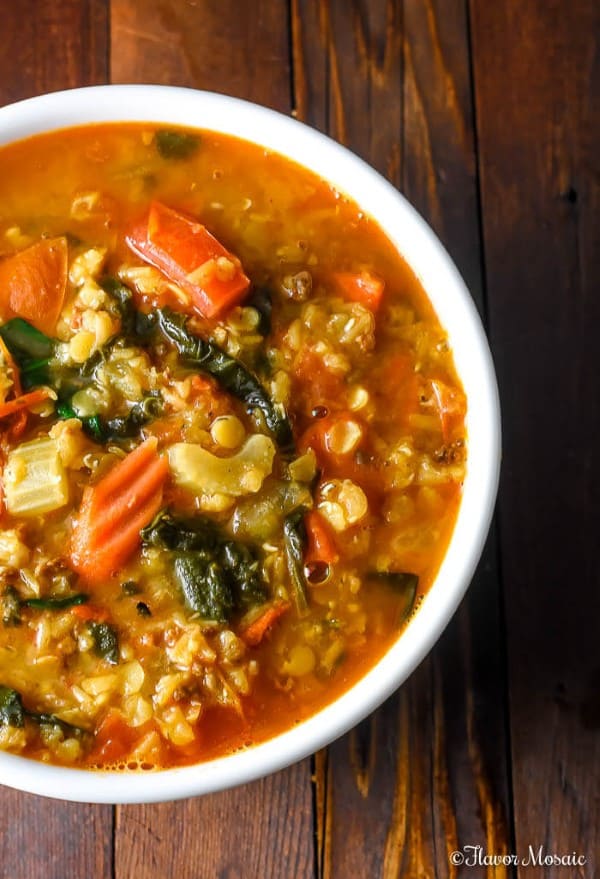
x,y
454,306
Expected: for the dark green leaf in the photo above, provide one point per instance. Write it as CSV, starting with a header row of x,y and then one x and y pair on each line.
x,y
176,144
220,562
56,603
106,643
204,586
294,535
403,583
229,372
11,708
31,350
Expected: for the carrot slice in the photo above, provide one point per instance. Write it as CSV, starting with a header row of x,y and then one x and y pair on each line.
x,y
451,406
320,545
90,613
253,634
186,252
24,402
362,287
33,283
114,511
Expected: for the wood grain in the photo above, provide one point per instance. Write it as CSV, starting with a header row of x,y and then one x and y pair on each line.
x,y
219,45
45,46
538,114
428,772
41,837
258,830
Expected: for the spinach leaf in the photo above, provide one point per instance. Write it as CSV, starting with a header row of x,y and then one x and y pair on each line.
x,y
106,642
176,144
123,426
204,585
403,583
56,603
31,350
12,713
229,372
135,325
294,536
11,708
217,575
12,604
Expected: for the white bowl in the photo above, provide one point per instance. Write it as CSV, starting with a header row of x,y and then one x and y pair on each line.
x,y
454,306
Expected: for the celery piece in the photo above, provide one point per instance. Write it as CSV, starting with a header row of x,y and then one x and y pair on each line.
x,y
35,481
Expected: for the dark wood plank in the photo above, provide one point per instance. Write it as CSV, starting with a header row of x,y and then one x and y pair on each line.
x,y
427,773
219,45
539,125
45,46
263,829
40,837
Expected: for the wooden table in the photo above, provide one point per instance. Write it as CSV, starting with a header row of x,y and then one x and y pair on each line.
x,y
481,113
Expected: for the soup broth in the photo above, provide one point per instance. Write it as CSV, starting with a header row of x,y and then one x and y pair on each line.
x,y
232,442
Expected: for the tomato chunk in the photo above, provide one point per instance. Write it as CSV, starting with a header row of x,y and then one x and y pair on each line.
x,y
363,287
33,283
186,252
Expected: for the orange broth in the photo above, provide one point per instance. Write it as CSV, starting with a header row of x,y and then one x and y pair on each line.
x,y
138,671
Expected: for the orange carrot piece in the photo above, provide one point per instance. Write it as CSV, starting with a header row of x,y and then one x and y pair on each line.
x,y
360,287
114,511
186,252
253,634
24,402
90,612
114,739
320,545
33,283
451,406
112,550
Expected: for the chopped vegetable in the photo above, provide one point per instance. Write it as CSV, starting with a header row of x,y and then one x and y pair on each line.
x,y
401,582
294,533
217,575
362,287
26,401
255,632
115,510
35,481
33,284
62,603
175,144
200,471
185,251
320,544
11,708
106,642
31,350
12,713
204,585
229,372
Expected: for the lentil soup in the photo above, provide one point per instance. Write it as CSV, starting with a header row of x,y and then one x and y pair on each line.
x,y
232,442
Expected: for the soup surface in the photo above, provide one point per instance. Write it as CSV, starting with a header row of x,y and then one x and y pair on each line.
x,y
232,444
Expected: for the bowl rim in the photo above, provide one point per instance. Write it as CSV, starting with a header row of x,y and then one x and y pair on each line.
x,y
159,104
